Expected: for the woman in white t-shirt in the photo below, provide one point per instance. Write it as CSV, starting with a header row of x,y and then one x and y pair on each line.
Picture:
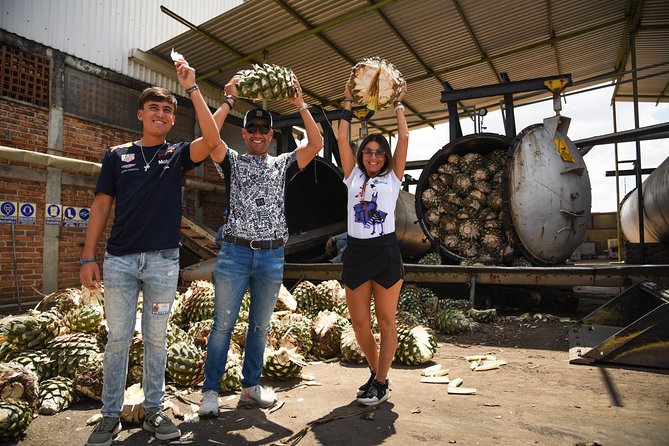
x,y
372,264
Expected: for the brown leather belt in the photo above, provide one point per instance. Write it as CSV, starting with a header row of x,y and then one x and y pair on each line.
x,y
254,244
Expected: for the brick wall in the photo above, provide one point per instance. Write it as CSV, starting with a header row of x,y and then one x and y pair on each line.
x,y
23,126
86,133
28,243
88,140
26,127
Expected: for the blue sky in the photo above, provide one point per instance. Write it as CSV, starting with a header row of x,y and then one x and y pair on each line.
x,y
591,115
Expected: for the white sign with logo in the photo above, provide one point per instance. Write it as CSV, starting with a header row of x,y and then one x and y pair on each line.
x,y
27,213
53,214
8,212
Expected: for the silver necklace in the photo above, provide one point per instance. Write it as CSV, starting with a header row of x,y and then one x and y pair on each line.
x,y
147,165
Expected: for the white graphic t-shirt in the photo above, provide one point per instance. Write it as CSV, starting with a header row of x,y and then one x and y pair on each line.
x,y
257,195
371,203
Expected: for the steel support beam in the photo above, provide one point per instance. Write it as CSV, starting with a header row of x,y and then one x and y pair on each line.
x,y
657,131
502,88
563,276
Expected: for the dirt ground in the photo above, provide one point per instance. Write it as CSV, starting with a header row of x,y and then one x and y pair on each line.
x,y
538,398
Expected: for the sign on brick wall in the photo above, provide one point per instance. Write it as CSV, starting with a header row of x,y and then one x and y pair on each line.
x,y
27,213
53,214
75,217
8,212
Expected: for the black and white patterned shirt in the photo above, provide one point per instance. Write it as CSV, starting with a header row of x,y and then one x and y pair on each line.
x,y
257,195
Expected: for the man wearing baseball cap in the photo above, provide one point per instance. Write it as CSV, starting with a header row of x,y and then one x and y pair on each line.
x,y
252,248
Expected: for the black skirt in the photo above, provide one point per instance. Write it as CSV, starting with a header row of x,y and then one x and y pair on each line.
x,y
378,259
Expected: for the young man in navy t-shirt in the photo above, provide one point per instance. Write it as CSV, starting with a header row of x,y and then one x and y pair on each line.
x,y
145,178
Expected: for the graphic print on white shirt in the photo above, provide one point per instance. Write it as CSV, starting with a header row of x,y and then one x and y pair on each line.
x,y
373,203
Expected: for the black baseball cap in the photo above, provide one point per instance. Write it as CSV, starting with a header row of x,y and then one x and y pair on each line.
x,y
257,113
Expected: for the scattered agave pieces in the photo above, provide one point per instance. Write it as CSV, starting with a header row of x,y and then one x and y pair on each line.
x,y
479,357
481,363
175,56
455,388
489,365
375,82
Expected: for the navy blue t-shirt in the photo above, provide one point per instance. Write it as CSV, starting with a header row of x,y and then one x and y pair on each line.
x,y
148,201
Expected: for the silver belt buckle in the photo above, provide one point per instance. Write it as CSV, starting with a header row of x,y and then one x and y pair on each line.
x,y
251,244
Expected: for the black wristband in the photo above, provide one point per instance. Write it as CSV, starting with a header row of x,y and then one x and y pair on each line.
x,y
192,89
346,115
227,102
231,96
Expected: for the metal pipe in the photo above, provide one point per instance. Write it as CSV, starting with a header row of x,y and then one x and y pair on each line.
x,y
72,165
619,231
635,89
16,271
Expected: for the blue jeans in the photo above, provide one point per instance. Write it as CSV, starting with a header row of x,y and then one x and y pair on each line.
x,y
238,268
156,274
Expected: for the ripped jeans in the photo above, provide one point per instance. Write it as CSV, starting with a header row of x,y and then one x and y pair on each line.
x,y
238,268
156,274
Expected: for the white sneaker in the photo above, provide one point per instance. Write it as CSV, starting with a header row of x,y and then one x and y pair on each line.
x,y
209,404
259,396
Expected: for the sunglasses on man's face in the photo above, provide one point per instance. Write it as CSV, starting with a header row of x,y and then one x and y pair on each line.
x,y
378,152
253,128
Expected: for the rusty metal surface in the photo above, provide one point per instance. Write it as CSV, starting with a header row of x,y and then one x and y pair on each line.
x,y
590,275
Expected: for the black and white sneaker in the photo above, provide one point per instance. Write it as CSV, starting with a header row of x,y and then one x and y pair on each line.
x,y
375,394
363,388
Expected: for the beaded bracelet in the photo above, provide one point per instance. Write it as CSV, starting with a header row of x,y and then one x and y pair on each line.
x,y
346,115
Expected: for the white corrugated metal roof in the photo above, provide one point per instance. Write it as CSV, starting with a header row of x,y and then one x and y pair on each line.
x,y
103,31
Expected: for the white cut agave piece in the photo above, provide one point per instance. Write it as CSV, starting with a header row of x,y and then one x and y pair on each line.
x,y
489,365
457,382
175,56
461,390
435,380
442,372
494,361
484,367
133,408
479,357
473,365
430,370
